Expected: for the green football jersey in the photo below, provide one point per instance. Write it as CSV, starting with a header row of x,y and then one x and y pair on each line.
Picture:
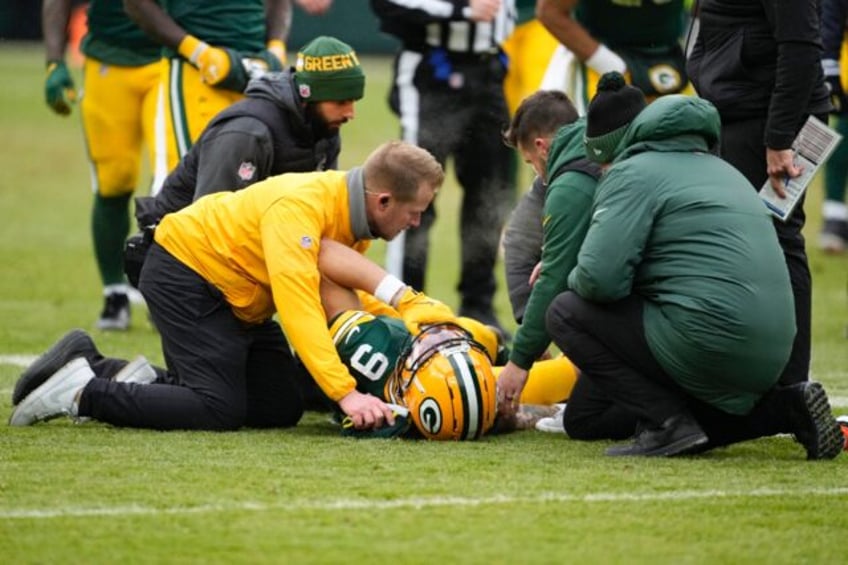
x,y
526,10
115,39
633,23
371,347
237,24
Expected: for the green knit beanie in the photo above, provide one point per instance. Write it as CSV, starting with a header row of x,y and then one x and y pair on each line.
x,y
328,69
610,112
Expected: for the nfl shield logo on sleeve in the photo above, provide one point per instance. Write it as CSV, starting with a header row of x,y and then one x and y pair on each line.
x,y
246,170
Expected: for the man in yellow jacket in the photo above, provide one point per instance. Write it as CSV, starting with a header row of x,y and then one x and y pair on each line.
x,y
217,273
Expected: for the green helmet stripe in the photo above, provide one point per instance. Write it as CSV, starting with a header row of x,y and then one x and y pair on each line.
x,y
469,389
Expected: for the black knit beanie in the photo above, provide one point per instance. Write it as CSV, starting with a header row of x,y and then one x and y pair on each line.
x,y
610,112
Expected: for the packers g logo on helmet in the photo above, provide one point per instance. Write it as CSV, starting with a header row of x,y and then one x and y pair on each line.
x,y
446,381
430,416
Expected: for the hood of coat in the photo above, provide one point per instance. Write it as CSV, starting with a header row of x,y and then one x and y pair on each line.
x,y
671,123
566,146
280,89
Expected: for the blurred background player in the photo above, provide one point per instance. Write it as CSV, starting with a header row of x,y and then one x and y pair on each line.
x,y
120,79
448,93
641,40
834,234
211,50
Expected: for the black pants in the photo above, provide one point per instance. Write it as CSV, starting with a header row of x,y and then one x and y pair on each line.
x,y
222,373
742,146
462,116
607,342
621,384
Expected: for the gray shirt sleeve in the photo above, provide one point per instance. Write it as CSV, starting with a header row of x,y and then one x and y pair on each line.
x,y
239,153
522,244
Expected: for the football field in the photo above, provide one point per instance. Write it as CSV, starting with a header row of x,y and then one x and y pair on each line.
x,y
91,493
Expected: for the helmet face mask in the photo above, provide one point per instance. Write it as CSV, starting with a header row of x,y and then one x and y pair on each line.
x,y
445,379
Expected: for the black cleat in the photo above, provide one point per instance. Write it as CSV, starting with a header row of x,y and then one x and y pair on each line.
x,y
813,423
834,236
75,343
116,313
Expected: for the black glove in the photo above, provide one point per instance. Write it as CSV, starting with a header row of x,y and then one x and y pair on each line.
x,y
834,86
135,252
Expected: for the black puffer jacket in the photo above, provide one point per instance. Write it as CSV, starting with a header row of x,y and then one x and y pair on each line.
x,y
756,58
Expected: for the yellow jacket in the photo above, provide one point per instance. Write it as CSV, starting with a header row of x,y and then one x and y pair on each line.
x,y
259,246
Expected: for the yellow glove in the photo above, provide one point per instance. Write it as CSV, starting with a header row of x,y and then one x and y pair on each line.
x,y
278,49
418,309
213,63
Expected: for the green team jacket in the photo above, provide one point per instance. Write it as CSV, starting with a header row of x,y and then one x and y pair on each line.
x,y
684,230
565,219
115,39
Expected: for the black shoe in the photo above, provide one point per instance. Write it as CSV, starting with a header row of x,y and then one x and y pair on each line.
x,y
813,423
116,312
834,236
75,343
678,435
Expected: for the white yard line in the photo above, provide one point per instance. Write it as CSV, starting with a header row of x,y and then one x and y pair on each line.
x,y
415,503
17,360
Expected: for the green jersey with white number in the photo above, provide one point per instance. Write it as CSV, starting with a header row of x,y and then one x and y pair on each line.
x,y
370,346
633,23
115,39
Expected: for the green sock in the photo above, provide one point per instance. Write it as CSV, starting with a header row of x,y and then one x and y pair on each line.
x,y
110,224
836,170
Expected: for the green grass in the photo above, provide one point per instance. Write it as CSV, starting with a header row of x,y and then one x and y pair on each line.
x,y
92,493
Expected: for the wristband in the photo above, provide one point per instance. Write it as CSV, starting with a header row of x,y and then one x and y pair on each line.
x,y
389,288
276,45
52,66
830,67
190,48
603,61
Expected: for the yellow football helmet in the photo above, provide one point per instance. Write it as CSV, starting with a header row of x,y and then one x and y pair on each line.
x,y
445,379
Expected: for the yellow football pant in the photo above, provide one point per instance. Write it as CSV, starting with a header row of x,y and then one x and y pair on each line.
x,y
188,104
843,64
529,49
549,381
118,107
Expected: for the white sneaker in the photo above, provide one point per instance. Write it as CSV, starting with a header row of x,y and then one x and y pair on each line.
x,y
135,296
55,397
139,371
553,424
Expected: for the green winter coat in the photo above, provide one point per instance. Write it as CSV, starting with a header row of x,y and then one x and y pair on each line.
x,y
685,231
565,219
